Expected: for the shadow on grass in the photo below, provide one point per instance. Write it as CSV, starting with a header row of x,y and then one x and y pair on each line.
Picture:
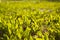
x,y
3,30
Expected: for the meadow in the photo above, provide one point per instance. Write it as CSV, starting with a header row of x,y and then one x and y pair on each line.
x,y
29,21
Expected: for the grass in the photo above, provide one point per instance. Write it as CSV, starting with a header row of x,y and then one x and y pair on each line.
x,y
30,21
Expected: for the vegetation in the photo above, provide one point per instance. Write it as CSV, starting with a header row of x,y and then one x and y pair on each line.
x,y
36,0
30,21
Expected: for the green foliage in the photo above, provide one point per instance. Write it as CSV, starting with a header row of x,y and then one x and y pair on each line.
x,y
29,21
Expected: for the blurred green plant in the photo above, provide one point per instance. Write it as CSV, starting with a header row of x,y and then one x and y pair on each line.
x,y
22,21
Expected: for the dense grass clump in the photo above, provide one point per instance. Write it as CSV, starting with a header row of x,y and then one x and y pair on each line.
x,y
29,21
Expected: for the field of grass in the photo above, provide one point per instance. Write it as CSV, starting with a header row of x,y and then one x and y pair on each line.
x,y
30,21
